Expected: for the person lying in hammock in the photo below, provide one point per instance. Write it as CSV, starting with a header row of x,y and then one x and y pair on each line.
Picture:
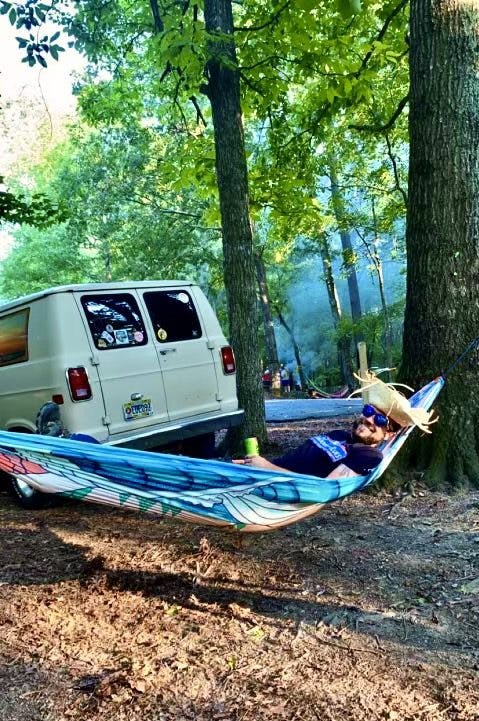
x,y
337,453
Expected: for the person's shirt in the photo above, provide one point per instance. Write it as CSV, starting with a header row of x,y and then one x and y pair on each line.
x,y
320,455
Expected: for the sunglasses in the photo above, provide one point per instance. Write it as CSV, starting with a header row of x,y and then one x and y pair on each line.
x,y
380,420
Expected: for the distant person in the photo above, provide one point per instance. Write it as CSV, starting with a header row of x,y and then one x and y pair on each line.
x,y
291,381
267,379
284,376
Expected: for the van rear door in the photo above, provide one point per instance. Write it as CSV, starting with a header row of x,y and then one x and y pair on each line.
x,y
184,352
126,358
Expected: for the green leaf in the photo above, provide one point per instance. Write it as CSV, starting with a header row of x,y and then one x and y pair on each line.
x,y
307,5
5,8
42,61
55,37
12,16
349,7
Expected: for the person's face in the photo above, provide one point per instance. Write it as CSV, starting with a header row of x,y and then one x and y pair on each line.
x,y
367,432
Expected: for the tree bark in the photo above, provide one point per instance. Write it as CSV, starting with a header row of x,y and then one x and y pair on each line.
x,y
348,254
239,273
378,267
343,343
442,301
297,354
269,336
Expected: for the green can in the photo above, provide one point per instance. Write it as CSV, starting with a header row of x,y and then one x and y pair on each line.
x,y
251,446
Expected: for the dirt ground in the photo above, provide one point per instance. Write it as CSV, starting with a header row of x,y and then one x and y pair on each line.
x,y
367,611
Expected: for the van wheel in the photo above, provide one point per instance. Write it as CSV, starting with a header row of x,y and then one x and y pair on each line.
x,y
26,496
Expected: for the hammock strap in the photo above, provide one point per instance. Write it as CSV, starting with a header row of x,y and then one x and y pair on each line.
x,y
473,344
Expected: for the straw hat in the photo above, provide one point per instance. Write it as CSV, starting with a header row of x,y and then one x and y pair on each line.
x,y
386,398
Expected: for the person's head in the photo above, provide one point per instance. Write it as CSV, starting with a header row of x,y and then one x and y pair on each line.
x,y
373,426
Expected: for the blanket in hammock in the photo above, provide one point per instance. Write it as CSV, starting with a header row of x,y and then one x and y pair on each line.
x,y
201,491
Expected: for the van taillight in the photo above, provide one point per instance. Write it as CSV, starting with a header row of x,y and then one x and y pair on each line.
x,y
80,389
228,360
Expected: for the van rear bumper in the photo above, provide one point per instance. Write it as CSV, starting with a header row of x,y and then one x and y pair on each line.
x,y
154,437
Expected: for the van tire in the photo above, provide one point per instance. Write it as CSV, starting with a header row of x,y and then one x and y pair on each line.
x,y
26,496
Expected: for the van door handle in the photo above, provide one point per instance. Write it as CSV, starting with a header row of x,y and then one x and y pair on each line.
x,y
167,350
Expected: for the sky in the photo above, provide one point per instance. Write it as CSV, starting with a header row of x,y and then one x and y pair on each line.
x,y
49,90
17,77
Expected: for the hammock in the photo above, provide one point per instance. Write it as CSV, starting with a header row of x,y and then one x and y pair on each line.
x,y
201,491
340,393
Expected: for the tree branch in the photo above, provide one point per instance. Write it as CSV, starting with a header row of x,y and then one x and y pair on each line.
x,y
383,128
159,27
392,158
381,34
199,114
273,19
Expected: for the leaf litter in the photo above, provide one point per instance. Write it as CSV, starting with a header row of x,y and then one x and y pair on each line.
x,y
368,611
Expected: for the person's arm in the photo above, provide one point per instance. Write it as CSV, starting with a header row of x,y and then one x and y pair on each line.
x,y
259,462
342,471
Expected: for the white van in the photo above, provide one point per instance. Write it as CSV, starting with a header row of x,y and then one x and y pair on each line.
x,y
138,364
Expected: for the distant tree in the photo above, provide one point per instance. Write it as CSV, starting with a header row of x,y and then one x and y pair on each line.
x,y
43,258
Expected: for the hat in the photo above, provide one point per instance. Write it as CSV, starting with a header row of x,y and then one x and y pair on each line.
x,y
386,398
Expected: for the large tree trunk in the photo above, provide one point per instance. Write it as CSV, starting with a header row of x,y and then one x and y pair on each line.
x,y
239,272
269,336
442,304
343,343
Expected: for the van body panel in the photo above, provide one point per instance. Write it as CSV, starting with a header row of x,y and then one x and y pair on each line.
x,y
187,361
127,373
183,380
180,430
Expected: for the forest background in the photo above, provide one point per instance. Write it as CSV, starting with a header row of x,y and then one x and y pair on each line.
x,y
262,149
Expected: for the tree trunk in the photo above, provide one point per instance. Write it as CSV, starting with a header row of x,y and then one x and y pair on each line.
x,y
388,331
343,343
348,254
297,354
378,267
442,301
239,273
269,337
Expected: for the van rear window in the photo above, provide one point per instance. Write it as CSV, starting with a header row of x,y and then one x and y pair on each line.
x,y
114,320
14,338
173,315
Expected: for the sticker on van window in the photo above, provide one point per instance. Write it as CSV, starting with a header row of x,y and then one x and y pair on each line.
x,y
183,297
121,336
109,338
138,336
109,328
102,343
162,334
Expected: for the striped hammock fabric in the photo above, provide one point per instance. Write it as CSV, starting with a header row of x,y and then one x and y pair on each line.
x,y
201,491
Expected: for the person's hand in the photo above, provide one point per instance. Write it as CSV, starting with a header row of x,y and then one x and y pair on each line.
x,y
256,461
